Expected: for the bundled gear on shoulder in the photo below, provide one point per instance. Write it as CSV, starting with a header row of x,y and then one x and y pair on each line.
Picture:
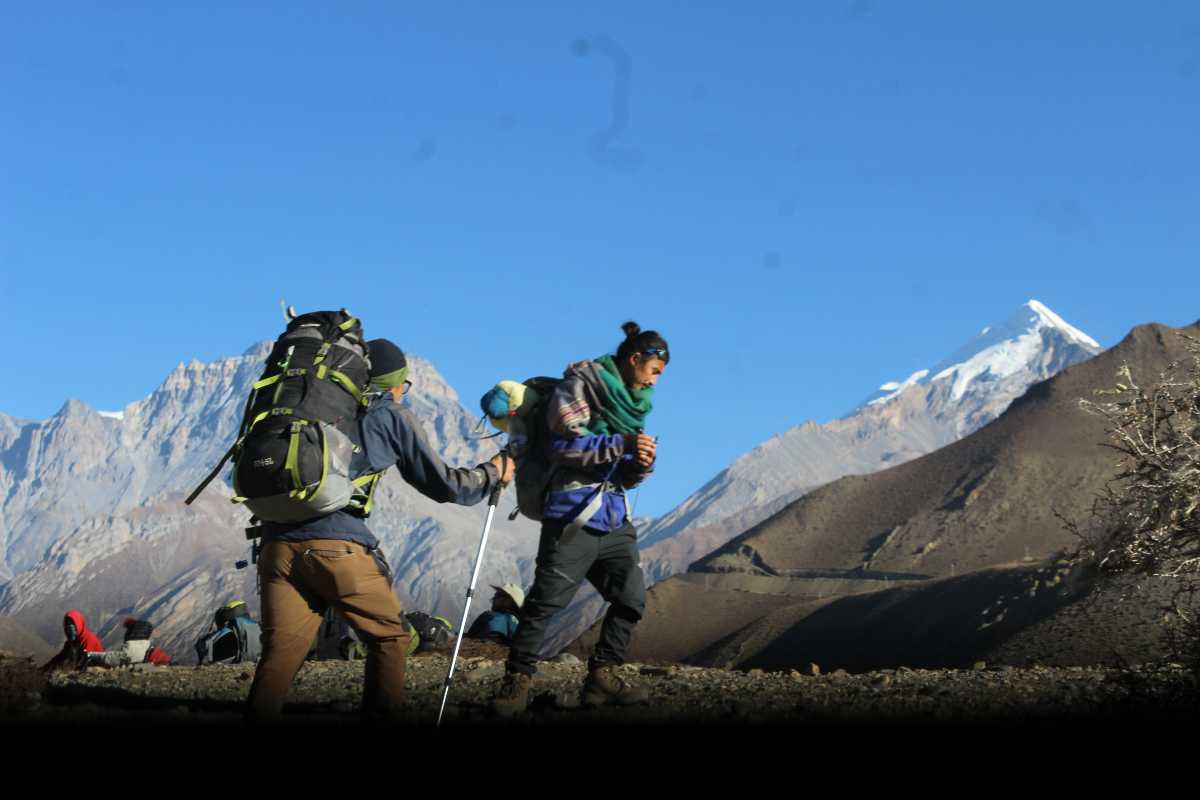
x,y
234,637
293,451
519,409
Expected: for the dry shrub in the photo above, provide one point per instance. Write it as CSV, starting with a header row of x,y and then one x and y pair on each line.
x,y
1146,520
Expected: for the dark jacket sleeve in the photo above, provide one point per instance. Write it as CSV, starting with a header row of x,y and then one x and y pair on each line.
x,y
631,474
392,435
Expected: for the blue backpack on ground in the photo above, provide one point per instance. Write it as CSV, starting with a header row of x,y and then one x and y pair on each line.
x,y
234,637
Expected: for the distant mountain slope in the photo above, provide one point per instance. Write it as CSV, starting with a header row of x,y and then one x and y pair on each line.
x,y
18,640
903,420
984,501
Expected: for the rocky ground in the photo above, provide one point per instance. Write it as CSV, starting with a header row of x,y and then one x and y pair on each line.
x,y
328,692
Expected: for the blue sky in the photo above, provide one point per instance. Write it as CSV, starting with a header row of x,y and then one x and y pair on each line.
x,y
806,199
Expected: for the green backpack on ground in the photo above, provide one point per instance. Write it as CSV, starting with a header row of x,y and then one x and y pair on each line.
x,y
335,639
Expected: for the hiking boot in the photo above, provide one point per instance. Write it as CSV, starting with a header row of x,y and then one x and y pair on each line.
x,y
604,685
513,695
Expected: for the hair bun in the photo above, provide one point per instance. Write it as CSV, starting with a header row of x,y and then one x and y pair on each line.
x,y
631,329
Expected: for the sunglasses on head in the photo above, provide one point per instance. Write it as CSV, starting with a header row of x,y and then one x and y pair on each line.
x,y
656,352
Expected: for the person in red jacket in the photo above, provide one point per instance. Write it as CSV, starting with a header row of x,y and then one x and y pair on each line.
x,y
80,642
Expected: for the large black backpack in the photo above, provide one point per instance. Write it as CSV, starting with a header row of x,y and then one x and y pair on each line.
x,y
292,455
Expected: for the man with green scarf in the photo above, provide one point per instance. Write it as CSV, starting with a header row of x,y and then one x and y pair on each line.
x,y
598,447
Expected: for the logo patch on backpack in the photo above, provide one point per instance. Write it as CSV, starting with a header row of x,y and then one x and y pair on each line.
x,y
263,462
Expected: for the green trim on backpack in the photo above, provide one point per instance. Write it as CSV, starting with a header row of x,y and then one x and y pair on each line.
x,y
292,465
265,382
370,481
344,381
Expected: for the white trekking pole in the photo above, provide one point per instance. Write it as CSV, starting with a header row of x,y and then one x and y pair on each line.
x,y
493,501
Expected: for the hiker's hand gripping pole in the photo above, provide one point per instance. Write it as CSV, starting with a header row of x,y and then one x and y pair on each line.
x,y
493,501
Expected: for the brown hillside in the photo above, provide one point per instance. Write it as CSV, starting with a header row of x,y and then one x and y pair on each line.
x,y
817,568
1014,615
20,641
986,499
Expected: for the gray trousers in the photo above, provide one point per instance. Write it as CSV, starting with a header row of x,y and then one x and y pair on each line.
x,y
610,562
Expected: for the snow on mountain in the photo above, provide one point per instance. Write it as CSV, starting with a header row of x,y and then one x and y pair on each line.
x,y
999,351
901,421
893,388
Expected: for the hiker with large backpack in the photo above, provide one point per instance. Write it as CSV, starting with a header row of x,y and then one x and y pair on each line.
x,y
233,638
592,449
329,557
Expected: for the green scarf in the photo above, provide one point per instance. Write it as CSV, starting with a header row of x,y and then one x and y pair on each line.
x,y
624,409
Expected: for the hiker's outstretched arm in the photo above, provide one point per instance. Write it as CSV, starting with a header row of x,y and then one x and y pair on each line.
x,y
396,437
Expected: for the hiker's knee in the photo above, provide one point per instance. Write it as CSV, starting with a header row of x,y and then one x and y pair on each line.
x,y
629,593
629,612
552,591
389,643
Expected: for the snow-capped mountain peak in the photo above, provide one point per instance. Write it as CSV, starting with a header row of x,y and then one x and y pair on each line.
x,y
1029,337
1050,319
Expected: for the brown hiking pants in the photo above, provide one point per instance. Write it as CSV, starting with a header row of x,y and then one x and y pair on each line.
x,y
299,580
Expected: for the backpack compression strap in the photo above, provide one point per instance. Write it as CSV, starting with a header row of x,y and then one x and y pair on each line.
x,y
365,488
246,428
292,462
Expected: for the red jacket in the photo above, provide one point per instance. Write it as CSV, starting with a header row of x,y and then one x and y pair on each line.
x,y
84,642
87,640
156,655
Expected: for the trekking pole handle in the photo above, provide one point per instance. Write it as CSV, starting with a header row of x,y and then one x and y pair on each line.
x,y
494,497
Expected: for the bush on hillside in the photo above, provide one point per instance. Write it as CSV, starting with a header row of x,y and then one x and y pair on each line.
x,y
1147,519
